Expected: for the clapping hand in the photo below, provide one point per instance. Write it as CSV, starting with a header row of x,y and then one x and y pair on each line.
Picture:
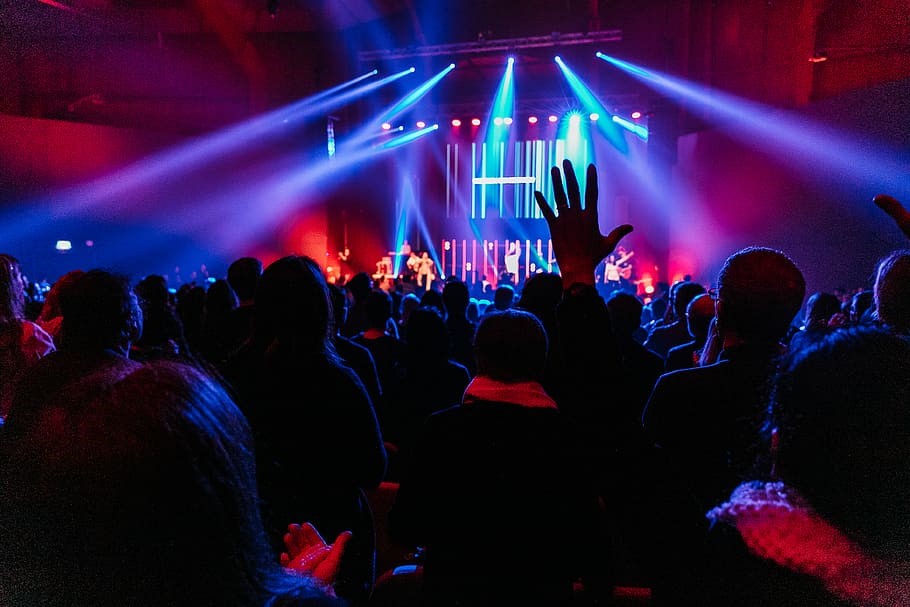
x,y
307,553
577,242
896,210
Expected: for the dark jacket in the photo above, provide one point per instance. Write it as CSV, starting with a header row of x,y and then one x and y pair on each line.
x,y
498,496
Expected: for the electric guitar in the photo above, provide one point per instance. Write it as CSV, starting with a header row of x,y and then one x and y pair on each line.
x,y
617,269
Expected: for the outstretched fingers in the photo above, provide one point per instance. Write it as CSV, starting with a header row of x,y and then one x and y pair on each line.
x,y
591,192
616,234
572,189
545,209
559,194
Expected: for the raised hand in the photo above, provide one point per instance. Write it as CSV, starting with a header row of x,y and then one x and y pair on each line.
x,y
895,210
577,242
308,553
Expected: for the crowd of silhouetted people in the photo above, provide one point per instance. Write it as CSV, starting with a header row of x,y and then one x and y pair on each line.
x,y
732,442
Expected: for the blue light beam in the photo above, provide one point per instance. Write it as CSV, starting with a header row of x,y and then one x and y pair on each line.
x,y
819,147
592,105
414,96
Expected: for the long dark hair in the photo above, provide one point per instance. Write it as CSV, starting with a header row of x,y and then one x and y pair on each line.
x,y
139,485
12,294
839,407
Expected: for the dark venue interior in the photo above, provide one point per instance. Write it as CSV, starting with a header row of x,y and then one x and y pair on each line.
x,y
341,244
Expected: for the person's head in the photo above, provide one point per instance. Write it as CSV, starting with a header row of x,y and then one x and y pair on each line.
x,y
892,290
455,297
511,346
503,297
140,481
658,308
242,275
625,313
378,309
12,291
473,311
408,304
152,291
820,307
759,293
220,298
51,307
683,293
292,305
360,286
699,313
426,335
100,311
541,294
433,299
840,409
859,304
670,309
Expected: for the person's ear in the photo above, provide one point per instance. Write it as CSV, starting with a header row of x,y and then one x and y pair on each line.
x,y
720,313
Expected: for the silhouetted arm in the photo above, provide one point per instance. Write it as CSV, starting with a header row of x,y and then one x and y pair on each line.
x,y
588,348
895,210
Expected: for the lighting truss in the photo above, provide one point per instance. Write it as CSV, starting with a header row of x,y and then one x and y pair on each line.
x,y
495,46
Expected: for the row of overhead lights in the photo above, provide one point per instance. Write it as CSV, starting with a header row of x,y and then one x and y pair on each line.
x,y
499,121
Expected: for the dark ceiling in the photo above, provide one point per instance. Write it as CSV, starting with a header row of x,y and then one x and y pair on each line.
x,y
193,65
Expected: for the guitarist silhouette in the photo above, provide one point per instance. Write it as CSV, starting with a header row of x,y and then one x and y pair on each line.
x,y
617,268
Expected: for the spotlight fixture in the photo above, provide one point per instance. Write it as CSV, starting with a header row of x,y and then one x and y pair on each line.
x,y
475,121
507,120
594,116
456,122
636,115
497,121
532,119
553,118
421,124
386,126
